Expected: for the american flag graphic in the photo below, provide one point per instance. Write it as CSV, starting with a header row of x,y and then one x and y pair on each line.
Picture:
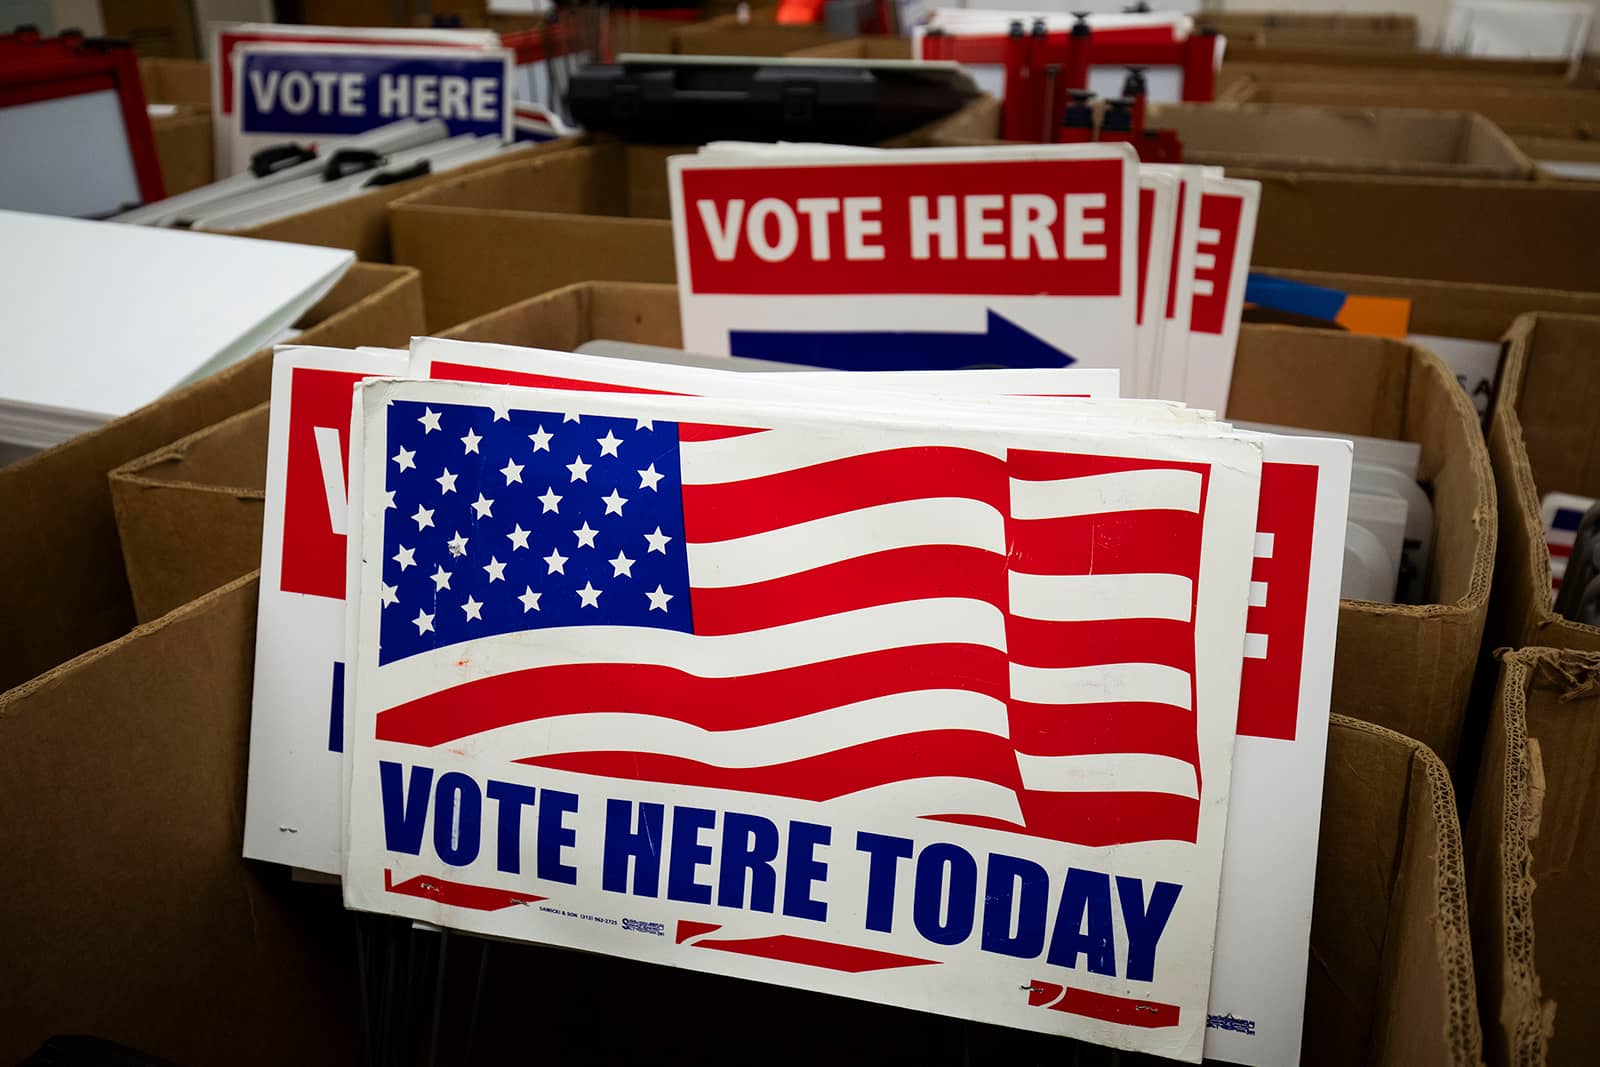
x,y
1001,639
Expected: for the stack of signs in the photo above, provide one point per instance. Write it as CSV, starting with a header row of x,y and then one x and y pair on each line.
x,y
947,258
979,692
324,85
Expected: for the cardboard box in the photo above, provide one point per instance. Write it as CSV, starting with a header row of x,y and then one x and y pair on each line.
x,y
154,27
644,31
129,914
760,35
189,513
1408,667
1562,158
1530,234
60,560
1538,108
1290,29
1390,980
1355,61
1371,141
183,148
361,223
1543,438
186,82
1533,850
872,46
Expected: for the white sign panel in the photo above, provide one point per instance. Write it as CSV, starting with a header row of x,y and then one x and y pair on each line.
x,y
905,816
919,259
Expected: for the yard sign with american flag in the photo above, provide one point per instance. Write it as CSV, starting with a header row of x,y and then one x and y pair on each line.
x,y
930,715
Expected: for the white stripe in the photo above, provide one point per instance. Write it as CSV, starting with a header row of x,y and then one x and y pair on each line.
x,y
1203,286
734,459
849,633
1153,683
1130,772
757,746
1258,594
1255,646
330,457
1264,545
918,797
792,549
1096,494
1098,597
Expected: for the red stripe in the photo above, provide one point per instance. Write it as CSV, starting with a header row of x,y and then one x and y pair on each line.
x,y
917,573
1030,466
723,511
813,953
689,431
456,894
1086,644
934,753
1100,819
1560,551
1118,542
466,372
1128,1011
710,703
1159,729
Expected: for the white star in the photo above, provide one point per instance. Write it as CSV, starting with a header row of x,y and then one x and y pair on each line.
x,y
622,565
388,594
406,557
571,416
423,518
519,537
658,599
458,545
423,622
482,506
658,541
557,562
550,500
589,595
530,599
441,579
429,420
585,535
473,609
388,500
541,439
579,469
608,444
512,471
471,440
614,502
649,477
644,424
406,458
501,406
496,569
447,482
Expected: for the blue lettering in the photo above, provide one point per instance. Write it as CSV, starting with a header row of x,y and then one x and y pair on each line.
x,y
624,843
749,843
945,919
886,852
803,870
1006,874
1145,927
555,835
1085,902
688,853
405,810
457,819
512,798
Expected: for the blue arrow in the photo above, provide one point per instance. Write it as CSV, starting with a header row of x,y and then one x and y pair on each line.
x,y
1002,344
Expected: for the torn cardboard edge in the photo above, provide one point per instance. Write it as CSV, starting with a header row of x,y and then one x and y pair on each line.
x,y
1524,610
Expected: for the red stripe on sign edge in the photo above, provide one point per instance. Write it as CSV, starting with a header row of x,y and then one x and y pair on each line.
x,y
456,894
467,372
807,951
710,703
1126,1011
1098,820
